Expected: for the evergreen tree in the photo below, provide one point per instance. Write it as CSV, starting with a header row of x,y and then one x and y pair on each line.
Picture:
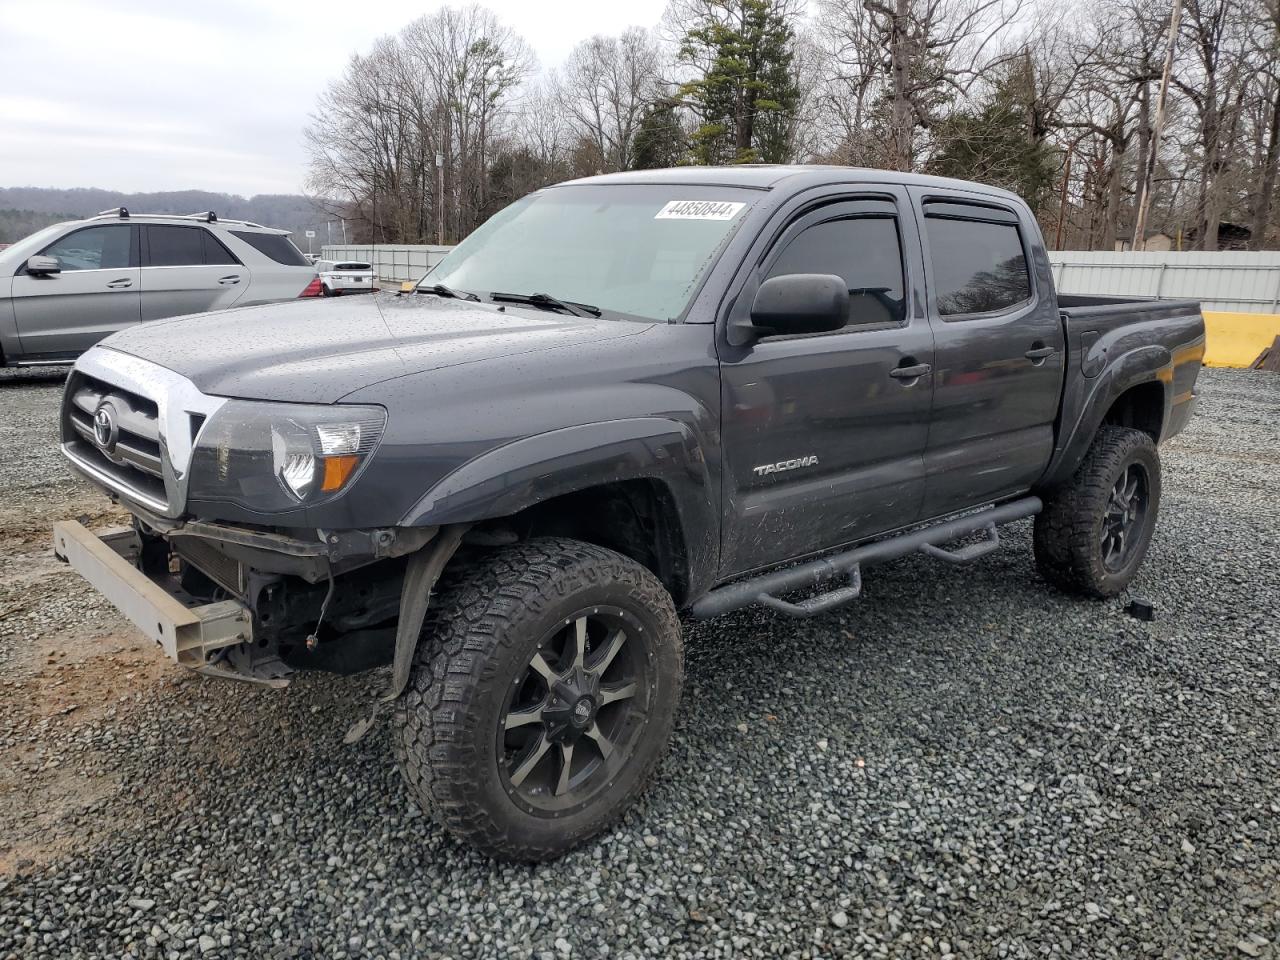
x,y
1000,141
747,94
660,141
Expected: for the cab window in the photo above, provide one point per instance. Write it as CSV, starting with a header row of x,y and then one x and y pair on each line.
x,y
977,259
865,251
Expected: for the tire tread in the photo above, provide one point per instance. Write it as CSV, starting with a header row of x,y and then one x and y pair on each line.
x,y
473,614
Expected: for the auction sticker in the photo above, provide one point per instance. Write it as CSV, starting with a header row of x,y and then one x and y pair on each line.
x,y
699,210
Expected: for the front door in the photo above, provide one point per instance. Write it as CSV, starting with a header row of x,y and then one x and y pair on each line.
x,y
187,270
823,435
61,315
999,361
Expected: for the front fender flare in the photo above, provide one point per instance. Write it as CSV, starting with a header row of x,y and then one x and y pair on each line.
x,y
517,475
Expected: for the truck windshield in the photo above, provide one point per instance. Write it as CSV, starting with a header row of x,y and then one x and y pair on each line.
x,y
634,250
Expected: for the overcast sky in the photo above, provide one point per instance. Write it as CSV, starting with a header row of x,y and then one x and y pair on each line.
x,y
142,95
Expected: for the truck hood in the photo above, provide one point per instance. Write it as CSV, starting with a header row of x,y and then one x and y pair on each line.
x,y
318,351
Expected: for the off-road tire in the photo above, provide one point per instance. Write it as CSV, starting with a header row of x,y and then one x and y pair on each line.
x,y
485,621
1068,532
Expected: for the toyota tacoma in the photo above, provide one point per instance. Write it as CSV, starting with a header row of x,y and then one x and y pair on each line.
x,y
620,400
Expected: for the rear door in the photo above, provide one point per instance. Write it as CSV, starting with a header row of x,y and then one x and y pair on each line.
x,y
186,269
63,314
823,441
999,352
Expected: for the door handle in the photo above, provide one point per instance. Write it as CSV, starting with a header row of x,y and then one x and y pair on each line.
x,y
1037,354
228,281
120,284
913,372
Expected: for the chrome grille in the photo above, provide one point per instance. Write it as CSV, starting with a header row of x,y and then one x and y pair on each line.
x,y
134,461
148,433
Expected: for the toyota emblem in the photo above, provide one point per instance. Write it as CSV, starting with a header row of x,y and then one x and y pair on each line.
x,y
105,429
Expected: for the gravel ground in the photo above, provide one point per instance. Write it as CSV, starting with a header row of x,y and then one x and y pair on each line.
x,y
965,763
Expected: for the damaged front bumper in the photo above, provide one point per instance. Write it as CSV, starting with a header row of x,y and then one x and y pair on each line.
x,y
190,633
255,604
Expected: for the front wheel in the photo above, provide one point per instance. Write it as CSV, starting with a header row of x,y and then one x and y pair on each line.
x,y
1093,534
543,694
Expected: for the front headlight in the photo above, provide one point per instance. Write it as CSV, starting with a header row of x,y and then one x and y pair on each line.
x,y
273,457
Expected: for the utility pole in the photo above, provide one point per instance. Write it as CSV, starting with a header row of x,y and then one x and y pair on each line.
x,y
1149,173
439,199
1062,201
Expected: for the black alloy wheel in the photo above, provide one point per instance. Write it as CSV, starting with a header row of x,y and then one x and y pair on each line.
x,y
1125,515
575,712
543,693
1094,531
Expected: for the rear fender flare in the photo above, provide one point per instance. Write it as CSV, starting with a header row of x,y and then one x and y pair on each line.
x,y
1152,363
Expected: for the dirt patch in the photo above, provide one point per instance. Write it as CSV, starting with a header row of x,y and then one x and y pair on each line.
x,y
61,691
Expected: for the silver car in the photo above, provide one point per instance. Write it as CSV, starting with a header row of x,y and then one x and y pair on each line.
x,y
66,287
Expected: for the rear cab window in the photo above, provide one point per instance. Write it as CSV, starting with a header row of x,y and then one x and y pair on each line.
x,y
273,246
977,258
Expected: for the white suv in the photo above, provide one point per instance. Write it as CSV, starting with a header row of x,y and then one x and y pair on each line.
x,y
66,287
344,276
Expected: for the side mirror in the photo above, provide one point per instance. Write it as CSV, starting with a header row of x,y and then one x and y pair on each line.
x,y
43,266
800,303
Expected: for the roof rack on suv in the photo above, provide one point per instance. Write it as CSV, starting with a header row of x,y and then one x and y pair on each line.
x,y
208,216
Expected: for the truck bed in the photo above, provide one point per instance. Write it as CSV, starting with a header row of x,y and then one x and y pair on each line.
x,y
1112,344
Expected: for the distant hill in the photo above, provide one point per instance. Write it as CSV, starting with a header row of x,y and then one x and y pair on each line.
x,y
24,209
16,224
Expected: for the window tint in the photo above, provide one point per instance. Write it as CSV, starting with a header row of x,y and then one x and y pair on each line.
x,y
214,251
978,267
94,248
175,246
352,265
275,246
865,252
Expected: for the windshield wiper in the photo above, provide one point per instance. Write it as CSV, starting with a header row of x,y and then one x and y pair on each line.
x,y
440,290
548,302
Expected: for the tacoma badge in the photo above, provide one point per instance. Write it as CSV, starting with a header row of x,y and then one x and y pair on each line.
x,y
767,468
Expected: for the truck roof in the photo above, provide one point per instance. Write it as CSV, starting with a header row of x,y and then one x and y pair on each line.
x,y
761,176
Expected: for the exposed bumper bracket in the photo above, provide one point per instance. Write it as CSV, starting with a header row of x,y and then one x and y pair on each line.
x,y
186,633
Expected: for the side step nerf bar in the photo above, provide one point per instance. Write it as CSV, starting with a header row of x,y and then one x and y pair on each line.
x,y
765,589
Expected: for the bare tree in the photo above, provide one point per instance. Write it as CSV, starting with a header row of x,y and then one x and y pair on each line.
x,y
1216,80
1265,124
898,65
974,88
604,89
443,87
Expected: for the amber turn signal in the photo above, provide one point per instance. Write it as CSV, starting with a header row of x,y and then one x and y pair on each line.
x,y
337,471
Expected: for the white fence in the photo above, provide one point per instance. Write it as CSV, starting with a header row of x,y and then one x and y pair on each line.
x,y
390,261
1228,281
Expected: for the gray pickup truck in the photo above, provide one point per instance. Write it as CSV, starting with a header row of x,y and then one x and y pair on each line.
x,y
622,397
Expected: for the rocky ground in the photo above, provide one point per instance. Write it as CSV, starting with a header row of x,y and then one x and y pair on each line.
x,y
965,763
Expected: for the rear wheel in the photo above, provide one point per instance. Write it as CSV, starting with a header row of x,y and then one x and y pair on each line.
x,y
1093,534
543,695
